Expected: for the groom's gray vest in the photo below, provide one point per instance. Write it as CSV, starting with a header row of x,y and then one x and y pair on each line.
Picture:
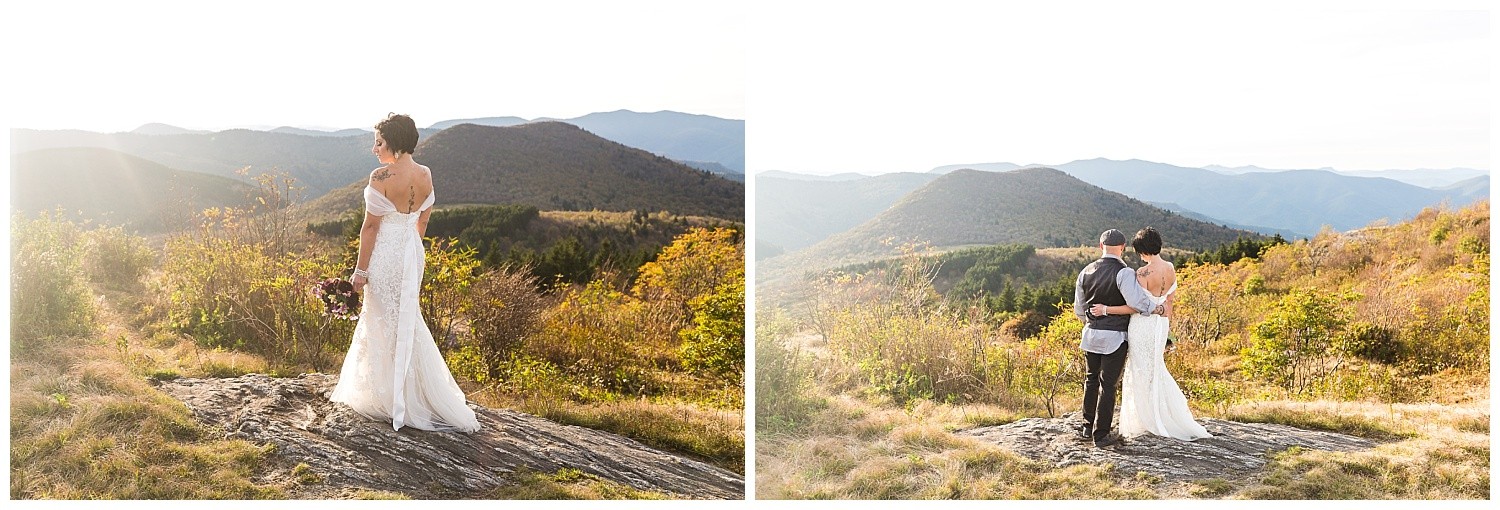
x,y
1099,287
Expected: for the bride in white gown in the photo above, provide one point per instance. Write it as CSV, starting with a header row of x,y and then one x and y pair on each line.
x,y
1151,401
393,370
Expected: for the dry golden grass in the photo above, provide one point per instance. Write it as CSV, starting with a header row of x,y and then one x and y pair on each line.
x,y
86,424
859,449
716,436
1446,456
568,484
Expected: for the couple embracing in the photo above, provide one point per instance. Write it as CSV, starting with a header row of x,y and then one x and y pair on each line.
x,y
1125,313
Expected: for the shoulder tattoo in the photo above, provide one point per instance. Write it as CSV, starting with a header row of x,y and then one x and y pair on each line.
x,y
1144,272
383,174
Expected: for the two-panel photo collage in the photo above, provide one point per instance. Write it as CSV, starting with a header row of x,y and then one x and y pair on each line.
x,y
748,255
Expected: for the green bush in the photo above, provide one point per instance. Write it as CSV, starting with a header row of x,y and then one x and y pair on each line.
x,y
1300,344
49,296
1441,228
1474,245
715,344
225,290
1255,284
446,298
115,257
1373,343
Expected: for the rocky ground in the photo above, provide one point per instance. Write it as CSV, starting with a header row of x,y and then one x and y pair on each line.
x,y
347,452
1236,448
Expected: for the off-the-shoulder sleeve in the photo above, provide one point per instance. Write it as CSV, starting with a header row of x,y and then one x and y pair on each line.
x,y
376,203
431,199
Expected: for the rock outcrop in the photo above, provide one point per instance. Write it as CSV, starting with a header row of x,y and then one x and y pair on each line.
x,y
1236,448
351,452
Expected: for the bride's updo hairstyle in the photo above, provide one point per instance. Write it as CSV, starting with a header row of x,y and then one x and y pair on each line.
x,y
399,132
1147,242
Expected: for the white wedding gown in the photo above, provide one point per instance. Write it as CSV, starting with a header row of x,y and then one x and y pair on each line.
x,y
393,370
1151,402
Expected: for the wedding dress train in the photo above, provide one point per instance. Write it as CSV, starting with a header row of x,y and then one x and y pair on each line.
x,y
1151,401
393,370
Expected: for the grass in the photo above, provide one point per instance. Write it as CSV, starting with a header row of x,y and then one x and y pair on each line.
x,y
304,474
714,436
86,424
717,437
1417,469
1433,451
1210,488
1320,419
568,484
367,494
861,449
857,448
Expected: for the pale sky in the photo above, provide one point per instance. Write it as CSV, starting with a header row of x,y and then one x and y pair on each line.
x,y
908,89
113,66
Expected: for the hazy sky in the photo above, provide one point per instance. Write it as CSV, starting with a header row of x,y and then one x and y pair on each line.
x,y
876,91
213,65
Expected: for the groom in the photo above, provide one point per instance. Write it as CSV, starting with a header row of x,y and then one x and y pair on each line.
x,y
1106,281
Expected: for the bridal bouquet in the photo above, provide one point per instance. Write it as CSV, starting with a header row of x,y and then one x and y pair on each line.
x,y
339,298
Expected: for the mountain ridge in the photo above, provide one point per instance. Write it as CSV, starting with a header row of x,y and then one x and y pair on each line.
x,y
324,160
1043,207
116,188
553,166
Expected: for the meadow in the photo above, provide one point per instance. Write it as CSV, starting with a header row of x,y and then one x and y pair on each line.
x,y
1380,332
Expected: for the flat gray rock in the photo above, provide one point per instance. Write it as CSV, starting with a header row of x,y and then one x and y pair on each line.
x,y
1236,448
353,452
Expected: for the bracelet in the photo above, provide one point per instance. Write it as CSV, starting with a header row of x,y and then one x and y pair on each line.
x,y
361,273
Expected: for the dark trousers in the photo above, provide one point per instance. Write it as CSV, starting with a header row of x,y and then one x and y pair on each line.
x,y
1099,388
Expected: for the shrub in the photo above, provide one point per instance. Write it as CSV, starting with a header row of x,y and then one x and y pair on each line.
x,y
115,257
450,271
507,310
1039,371
695,264
1210,305
1299,344
1255,284
48,292
1474,245
227,294
593,335
1456,337
715,344
1441,228
226,287
1373,343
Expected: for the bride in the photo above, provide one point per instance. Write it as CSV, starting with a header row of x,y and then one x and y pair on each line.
x,y
393,370
1151,402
